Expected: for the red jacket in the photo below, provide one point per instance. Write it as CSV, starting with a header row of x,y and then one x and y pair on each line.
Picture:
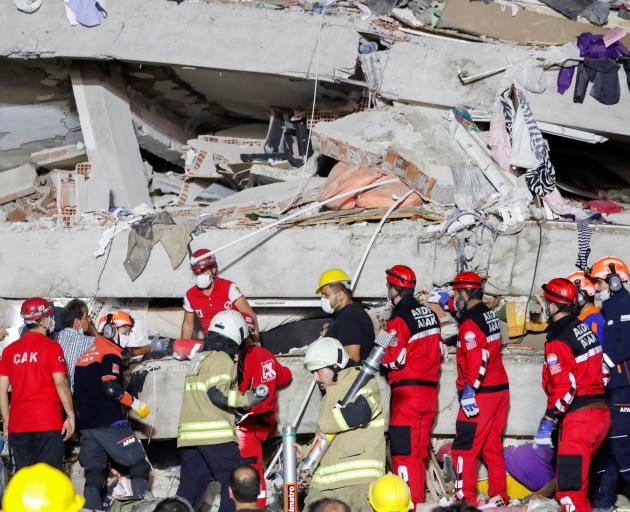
x,y
572,374
416,356
261,367
479,362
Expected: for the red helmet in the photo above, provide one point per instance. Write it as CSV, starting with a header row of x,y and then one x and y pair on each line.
x,y
34,309
467,281
202,259
400,275
560,291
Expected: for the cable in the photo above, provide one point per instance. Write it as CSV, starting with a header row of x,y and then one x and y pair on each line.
x,y
531,290
98,281
355,278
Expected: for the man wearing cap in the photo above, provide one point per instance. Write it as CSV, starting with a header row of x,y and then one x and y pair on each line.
x,y
211,295
482,385
351,325
35,368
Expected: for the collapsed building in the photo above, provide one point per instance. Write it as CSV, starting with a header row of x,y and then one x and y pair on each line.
x,y
295,136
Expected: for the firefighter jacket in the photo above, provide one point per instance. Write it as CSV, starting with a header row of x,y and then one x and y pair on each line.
x,y
357,452
415,359
616,311
572,374
201,421
479,362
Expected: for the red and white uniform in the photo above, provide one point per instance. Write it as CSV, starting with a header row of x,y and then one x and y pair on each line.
x,y
479,364
573,379
414,371
259,367
223,296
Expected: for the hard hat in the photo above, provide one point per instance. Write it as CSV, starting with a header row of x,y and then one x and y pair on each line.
x,y
334,275
601,269
41,488
117,318
585,284
560,291
230,324
202,259
34,309
467,281
390,493
400,275
325,352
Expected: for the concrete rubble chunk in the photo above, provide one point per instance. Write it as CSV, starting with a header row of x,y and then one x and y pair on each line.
x,y
64,157
16,183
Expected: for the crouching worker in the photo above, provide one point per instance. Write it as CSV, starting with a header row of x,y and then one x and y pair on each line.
x,y
102,404
207,435
356,455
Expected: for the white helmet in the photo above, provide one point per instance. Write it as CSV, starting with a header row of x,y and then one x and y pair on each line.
x,y
230,324
325,352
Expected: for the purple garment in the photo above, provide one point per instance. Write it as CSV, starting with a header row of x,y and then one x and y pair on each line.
x,y
590,45
529,464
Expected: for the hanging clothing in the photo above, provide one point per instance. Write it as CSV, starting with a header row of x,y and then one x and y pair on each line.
x,y
604,74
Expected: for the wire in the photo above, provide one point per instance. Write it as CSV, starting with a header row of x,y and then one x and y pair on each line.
x,y
98,281
531,290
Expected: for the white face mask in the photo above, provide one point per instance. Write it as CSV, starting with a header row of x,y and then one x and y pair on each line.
x,y
125,339
603,295
51,325
203,281
326,306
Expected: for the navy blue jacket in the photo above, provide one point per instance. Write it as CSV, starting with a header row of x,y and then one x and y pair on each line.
x,y
616,311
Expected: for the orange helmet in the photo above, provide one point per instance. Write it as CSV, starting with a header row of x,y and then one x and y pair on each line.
x,y
607,265
583,283
117,319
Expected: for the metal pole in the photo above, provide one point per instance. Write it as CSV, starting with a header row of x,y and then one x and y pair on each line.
x,y
289,469
295,424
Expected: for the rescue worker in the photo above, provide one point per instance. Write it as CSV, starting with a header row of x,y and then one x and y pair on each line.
x,y
351,325
413,373
41,488
589,313
390,493
102,404
609,274
207,435
257,365
210,295
35,368
573,380
482,385
356,456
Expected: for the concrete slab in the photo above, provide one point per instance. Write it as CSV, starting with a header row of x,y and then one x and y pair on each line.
x,y
16,183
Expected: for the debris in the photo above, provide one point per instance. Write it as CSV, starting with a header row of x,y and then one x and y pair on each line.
x,y
16,183
64,157
71,196
17,215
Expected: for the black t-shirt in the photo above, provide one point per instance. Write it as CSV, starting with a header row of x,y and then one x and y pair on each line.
x,y
353,326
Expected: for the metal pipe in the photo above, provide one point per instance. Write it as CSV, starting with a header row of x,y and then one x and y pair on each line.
x,y
289,469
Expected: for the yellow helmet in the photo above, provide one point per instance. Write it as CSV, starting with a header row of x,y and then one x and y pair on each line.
x,y
41,488
390,493
334,275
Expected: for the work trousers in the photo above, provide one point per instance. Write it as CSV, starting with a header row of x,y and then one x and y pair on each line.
x,y
580,435
119,443
482,436
613,457
252,432
28,448
200,464
412,412
355,496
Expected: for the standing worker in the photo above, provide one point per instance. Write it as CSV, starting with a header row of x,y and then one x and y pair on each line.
x,y
256,366
414,372
356,456
351,325
207,435
35,369
101,402
589,313
482,384
609,274
573,380
210,295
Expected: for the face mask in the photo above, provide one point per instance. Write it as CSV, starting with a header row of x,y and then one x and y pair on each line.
x,y
460,304
603,295
125,339
326,306
51,325
203,281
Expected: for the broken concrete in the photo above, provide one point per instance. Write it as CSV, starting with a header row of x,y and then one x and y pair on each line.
x,y
16,183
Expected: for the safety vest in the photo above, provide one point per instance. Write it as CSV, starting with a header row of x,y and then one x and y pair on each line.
x,y
356,456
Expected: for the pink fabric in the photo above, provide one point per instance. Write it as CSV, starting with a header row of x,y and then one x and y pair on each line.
x,y
499,140
558,204
343,178
385,195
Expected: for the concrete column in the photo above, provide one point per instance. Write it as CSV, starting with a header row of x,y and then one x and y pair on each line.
x,y
117,175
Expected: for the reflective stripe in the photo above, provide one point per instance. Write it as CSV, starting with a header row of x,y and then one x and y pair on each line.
x,y
204,386
205,430
424,334
206,434
204,425
377,423
368,395
494,337
349,471
341,421
232,398
592,352
349,475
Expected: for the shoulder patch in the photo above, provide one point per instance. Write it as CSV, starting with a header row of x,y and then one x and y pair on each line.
x,y
471,340
553,363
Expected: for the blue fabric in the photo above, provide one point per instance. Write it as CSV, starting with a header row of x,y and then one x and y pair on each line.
x,y
543,435
89,13
616,311
595,322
